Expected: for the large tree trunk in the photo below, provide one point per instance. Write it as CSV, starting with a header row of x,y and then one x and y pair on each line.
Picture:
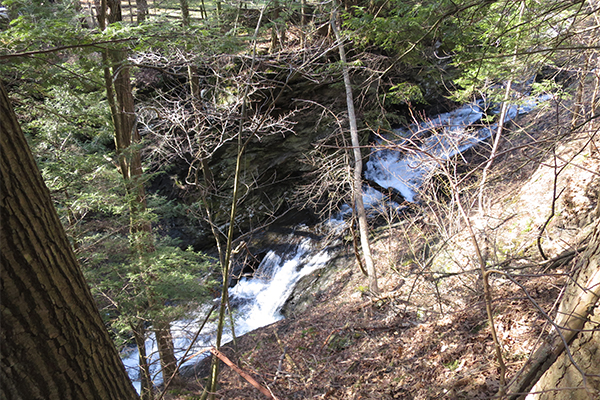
x,y
568,367
575,374
54,343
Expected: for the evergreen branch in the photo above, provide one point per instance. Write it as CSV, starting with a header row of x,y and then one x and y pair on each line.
x,y
537,51
60,48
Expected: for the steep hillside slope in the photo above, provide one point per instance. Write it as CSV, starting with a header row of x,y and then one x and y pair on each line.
x,y
428,336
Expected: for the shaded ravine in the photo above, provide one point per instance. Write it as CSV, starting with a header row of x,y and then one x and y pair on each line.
x,y
257,301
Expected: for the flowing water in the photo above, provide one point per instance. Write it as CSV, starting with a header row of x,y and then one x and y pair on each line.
x,y
396,163
257,301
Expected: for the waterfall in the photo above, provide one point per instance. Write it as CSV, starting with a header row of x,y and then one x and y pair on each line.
x,y
264,294
449,134
257,301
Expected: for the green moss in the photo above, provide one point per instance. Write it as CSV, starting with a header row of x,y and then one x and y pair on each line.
x,y
452,365
308,332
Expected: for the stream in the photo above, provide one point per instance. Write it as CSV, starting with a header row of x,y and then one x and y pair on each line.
x,y
450,133
257,301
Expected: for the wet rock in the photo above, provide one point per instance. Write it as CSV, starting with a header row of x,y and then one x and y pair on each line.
x,y
317,285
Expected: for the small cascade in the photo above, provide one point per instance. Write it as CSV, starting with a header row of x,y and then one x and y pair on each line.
x,y
400,165
256,302
263,295
406,171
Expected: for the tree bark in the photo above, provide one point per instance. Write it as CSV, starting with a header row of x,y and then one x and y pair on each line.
x,y
139,336
575,374
127,138
115,10
168,362
142,10
54,343
274,27
567,367
192,69
357,182
185,12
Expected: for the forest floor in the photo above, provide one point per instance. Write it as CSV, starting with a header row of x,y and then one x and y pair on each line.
x,y
428,336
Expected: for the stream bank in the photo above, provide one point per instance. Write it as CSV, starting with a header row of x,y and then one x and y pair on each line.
x,y
427,337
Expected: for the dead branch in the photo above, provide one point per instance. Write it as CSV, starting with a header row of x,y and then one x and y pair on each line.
x,y
243,374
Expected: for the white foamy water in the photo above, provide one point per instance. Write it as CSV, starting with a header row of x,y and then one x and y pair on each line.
x,y
259,301
451,133
264,294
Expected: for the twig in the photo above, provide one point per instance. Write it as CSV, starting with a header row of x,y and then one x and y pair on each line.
x,y
333,332
287,356
59,48
557,171
280,364
384,296
487,296
355,246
